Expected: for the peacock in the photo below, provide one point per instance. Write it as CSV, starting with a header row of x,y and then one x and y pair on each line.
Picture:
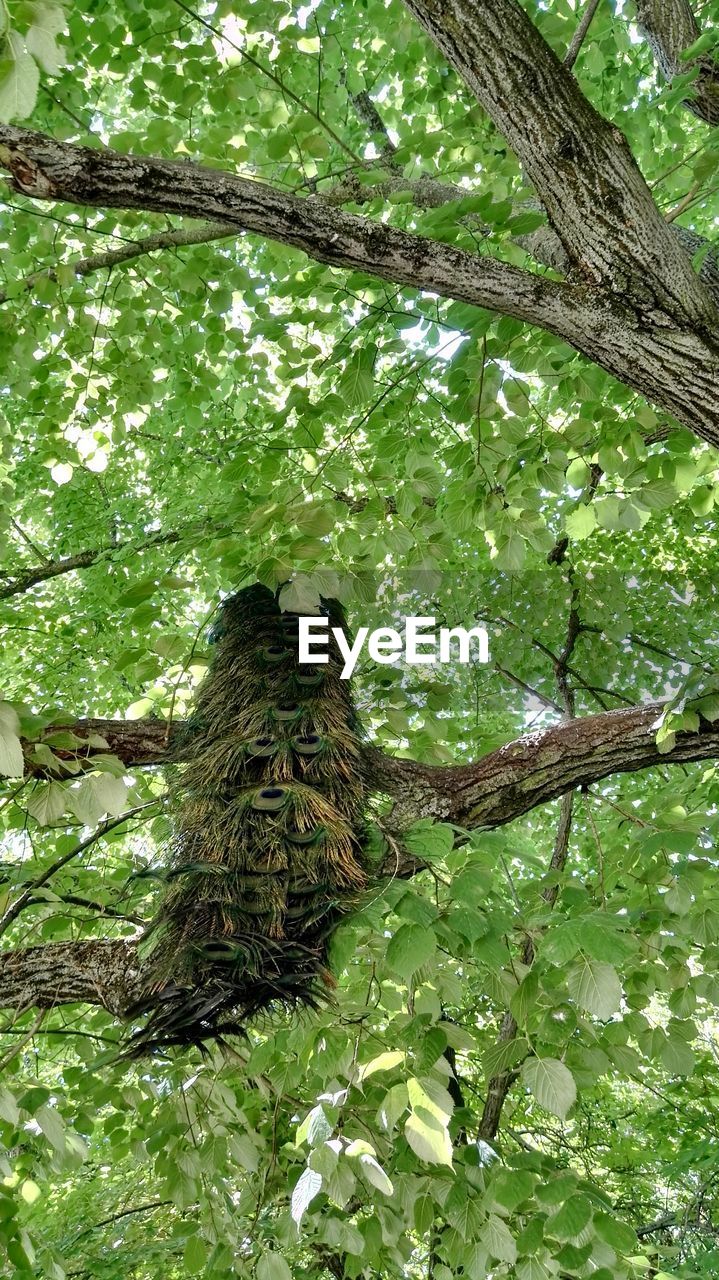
x,y
267,855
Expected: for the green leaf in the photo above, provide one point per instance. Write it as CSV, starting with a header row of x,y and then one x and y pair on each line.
x,y
427,1094
272,1266
307,1187
47,22
595,986
571,1219
509,551
47,803
619,1235
357,383
551,1083
375,1174
315,520
8,1108
428,1138
429,840
12,763
383,1062
52,1126
498,1240
578,473
409,949
300,596
580,522
19,80
315,1128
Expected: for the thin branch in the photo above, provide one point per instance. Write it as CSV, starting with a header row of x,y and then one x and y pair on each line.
x,y
28,541
177,239
123,1213
499,1086
270,75
577,40
528,688
83,560
27,1037
26,897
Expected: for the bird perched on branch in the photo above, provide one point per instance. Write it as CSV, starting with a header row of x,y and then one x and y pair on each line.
x,y
267,854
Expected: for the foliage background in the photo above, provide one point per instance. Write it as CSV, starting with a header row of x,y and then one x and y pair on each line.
x,y
217,413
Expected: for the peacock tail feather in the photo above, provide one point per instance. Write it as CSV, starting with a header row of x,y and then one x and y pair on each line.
x,y
267,856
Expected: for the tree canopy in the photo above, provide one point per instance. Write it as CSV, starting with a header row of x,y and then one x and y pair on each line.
x,y
413,305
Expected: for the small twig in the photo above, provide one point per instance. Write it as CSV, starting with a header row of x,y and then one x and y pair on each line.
x,y
528,688
259,66
14,1051
26,897
600,851
124,1213
29,542
683,203
577,40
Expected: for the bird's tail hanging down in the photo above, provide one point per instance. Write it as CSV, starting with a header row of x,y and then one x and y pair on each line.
x,y
267,853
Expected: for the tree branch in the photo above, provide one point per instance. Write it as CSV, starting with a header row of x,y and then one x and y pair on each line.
x,y
499,1085
496,789
28,895
579,163
98,972
669,27
671,362
83,560
500,787
179,238
530,771
48,170
577,40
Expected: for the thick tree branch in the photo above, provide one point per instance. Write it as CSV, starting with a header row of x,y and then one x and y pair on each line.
x,y
532,770
500,787
672,362
48,170
98,972
579,163
496,789
669,27
136,743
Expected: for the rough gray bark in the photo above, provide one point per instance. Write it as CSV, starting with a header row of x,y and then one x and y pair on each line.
x,y
97,972
669,358
579,163
669,27
536,768
545,246
48,170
